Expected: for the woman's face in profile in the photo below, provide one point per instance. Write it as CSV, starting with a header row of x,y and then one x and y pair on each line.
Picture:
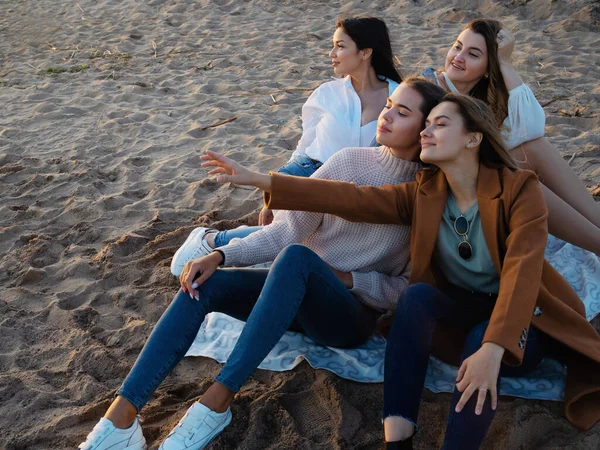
x,y
345,57
444,137
400,120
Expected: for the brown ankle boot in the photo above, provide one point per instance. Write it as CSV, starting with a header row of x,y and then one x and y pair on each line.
x,y
398,445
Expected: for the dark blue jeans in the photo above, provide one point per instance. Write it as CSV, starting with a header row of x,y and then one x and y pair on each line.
x,y
420,309
300,166
299,292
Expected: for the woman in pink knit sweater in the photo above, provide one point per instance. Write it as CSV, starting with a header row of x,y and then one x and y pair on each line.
x,y
333,287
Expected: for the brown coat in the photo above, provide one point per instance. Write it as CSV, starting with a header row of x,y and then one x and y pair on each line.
x,y
514,220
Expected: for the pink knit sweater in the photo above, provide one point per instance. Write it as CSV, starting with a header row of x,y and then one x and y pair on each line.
x,y
376,255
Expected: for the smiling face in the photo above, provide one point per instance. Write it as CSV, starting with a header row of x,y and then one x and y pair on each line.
x,y
444,138
345,56
467,59
400,121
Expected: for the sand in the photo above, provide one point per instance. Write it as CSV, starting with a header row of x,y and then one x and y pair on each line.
x,y
104,109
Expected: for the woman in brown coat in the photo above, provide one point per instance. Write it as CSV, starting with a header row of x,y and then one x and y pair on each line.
x,y
479,228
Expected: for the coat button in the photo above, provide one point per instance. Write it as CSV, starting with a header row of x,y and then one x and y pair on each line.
x,y
538,311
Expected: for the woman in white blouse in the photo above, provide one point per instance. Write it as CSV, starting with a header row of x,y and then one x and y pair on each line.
x,y
479,64
338,114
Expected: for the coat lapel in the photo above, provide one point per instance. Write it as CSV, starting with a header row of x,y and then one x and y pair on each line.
x,y
489,189
431,200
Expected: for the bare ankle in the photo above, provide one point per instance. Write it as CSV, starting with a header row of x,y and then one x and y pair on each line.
x,y
121,413
217,397
209,238
397,428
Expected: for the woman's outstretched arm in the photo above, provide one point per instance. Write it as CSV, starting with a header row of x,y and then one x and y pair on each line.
x,y
386,205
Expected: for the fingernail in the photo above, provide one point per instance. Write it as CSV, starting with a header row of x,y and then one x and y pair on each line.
x,y
197,298
219,179
457,409
184,290
194,285
191,296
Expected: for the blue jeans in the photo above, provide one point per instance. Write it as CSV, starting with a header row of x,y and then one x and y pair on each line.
x,y
299,292
420,309
300,166
224,237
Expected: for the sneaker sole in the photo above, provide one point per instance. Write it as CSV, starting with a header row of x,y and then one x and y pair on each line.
x,y
176,264
137,447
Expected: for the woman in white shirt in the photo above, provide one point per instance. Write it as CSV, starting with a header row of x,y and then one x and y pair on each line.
x,y
338,114
479,64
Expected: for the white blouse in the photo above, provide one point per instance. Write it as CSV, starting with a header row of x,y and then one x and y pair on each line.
x,y
526,118
367,134
331,120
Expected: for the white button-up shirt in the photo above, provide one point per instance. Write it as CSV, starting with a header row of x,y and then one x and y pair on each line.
x,y
331,119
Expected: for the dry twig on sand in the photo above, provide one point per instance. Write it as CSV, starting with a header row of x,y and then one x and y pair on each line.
x,y
218,124
572,157
549,102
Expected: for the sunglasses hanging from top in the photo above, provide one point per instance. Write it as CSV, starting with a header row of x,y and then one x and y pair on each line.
x,y
461,226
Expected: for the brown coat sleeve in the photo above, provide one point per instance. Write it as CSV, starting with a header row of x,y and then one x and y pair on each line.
x,y
521,275
385,205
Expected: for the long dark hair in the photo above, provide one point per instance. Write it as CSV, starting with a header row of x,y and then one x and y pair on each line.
x,y
492,89
477,117
371,32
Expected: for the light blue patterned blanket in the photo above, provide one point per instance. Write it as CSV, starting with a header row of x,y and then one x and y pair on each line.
x,y
219,333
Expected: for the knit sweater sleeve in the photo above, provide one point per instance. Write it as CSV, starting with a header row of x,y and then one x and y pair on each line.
x,y
378,290
288,227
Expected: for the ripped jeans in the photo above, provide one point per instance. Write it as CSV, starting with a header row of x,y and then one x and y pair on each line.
x,y
420,308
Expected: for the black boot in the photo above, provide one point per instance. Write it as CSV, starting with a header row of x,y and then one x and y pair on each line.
x,y
398,445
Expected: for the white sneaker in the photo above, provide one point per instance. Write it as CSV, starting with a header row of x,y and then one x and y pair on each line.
x,y
196,429
106,436
194,247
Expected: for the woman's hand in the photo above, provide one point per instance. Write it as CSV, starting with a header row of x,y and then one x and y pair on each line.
x,y
506,45
205,266
479,373
230,171
265,217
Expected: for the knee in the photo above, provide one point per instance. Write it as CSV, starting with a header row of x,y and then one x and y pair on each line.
x,y
416,297
297,252
213,284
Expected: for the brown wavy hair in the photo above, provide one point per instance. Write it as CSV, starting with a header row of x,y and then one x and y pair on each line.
x,y
492,89
477,117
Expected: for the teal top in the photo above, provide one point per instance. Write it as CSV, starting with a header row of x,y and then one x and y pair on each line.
x,y
478,274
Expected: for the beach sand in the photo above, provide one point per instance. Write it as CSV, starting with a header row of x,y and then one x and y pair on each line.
x,y
105,106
